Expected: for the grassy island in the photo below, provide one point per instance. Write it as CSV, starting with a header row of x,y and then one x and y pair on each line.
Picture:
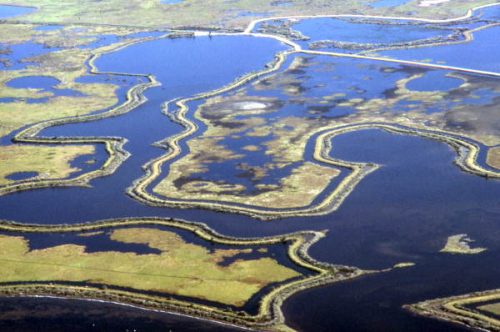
x,y
222,272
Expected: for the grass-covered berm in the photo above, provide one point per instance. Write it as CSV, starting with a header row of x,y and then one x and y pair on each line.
x,y
478,311
179,267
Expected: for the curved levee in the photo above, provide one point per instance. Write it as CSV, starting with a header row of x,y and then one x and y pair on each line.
x,y
114,145
269,315
457,309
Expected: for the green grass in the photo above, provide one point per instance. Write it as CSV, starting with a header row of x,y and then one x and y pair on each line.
x,y
181,268
66,65
50,162
493,308
216,13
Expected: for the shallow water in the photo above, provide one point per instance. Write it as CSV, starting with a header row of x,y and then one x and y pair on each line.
x,y
8,11
171,2
51,27
388,3
434,81
480,54
365,32
20,55
41,83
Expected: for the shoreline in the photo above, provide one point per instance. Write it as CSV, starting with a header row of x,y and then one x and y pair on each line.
x,y
269,316
140,191
135,97
114,146
454,310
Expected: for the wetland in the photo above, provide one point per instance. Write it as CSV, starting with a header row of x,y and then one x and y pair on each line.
x,y
262,170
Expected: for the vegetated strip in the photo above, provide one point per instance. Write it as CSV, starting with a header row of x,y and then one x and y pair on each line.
x,y
455,310
114,145
269,316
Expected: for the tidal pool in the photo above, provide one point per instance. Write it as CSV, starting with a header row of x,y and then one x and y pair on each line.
x,y
21,55
434,81
51,27
8,11
171,2
21,176
388,3
42,83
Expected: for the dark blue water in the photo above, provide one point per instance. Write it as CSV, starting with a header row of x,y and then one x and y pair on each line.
x,y
40,314
7,11
185,67
21,176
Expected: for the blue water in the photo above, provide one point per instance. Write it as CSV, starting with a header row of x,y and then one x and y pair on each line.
x,y
171,2
33,82
480,54
388,3
435,81
353,31
185,67
20,54
21,176
42,83
53,27
7,11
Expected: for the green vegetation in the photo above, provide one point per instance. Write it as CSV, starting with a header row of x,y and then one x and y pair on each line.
x,y
493,308
67,65
217,13
50,162
460,244
181,268
460,309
